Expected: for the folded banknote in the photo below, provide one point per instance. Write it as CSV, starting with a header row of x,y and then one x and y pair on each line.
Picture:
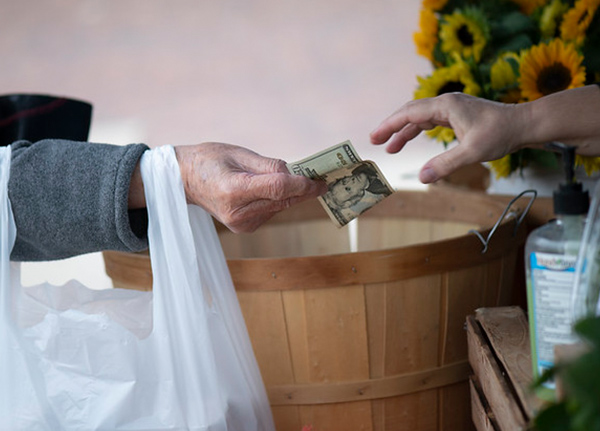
x,y
354,185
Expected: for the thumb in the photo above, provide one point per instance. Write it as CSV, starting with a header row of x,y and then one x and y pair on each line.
x,y
281,186
446,163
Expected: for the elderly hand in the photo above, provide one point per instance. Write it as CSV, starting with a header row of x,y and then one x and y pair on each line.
x,y
239,187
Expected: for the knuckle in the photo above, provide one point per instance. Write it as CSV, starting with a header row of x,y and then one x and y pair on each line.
x,y
449,98
278,165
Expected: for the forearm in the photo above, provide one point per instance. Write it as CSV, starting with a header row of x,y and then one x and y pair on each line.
x,y
70,198
571,117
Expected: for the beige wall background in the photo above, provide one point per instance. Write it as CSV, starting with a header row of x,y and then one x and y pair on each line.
x,y
285,78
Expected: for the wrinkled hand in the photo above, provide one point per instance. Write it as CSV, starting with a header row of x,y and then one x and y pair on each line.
x,y
486,130
239,187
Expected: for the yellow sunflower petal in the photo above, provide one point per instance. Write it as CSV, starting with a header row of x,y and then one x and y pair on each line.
x,y
551,18
502,74
427,38
457,77
501,167
442,134
577,20
590,164
548,68
462,34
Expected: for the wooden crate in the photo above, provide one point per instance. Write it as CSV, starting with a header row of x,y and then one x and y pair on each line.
x,y
500,356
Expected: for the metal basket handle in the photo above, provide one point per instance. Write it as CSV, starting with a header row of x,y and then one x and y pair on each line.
x,y
486,241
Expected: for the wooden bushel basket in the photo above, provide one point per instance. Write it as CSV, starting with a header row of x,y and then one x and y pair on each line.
x,y
372,339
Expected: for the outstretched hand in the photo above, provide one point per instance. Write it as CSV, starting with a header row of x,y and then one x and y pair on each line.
x,y
239,187
486,130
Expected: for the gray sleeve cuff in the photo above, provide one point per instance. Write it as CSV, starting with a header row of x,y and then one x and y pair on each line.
x,y
70,198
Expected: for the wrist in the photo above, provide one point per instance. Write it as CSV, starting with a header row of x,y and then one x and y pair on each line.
x,y
136,198
185,158
526,126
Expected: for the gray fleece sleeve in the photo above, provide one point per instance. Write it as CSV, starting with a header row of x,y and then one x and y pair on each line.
x,y
70,198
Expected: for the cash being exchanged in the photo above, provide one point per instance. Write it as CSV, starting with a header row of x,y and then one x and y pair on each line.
x,y
354,185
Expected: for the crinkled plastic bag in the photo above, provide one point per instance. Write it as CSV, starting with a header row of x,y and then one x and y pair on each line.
x,y
176,358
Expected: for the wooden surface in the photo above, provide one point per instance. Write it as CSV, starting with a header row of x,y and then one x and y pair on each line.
x,y
373,339
500,355
408,235
483,416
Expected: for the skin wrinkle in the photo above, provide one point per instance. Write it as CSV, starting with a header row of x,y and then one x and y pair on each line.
x,y
238,187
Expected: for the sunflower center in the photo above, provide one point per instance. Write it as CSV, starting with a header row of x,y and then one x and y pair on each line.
x,y
465,36
551,79
451,87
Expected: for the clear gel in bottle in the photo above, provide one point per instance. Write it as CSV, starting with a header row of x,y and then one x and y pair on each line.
x,y
550,260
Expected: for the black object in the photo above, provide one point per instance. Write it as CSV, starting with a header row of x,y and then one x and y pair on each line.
x,y
569,198
36,116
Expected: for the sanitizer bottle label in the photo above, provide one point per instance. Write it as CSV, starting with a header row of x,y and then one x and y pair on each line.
x,y
552,277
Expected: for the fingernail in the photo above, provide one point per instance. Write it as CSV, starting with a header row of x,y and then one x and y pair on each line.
x,y
373,136
428,175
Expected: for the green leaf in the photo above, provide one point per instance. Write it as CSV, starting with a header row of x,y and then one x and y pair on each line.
x,y
589,329
515,44
553,418
511,24
591,53
547,375
541,158
439,56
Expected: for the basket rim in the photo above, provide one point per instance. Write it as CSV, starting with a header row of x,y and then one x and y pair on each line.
x,y
359,267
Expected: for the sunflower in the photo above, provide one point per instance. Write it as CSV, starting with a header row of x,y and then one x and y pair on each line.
x,y
501,167
551,18
465,33
548,68
528,6
434,4
454,78
427,38
590,164
577,20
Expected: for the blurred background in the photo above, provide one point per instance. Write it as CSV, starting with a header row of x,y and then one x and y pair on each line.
x,y
286,78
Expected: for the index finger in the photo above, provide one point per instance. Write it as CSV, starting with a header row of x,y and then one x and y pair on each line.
x,y
415,112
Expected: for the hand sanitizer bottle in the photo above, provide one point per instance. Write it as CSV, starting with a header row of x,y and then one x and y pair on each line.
x,y
550,259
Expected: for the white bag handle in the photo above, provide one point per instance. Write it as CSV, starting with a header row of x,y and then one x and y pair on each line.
x,y
7,224
187,238
76,359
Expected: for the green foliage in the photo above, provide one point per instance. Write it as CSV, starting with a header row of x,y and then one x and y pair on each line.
x,y
580,408
508,31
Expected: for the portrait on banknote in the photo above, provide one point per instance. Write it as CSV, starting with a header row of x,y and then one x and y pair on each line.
x,y
352,192
354,185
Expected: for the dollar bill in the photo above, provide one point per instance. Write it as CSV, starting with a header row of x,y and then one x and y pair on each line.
x,y
354,185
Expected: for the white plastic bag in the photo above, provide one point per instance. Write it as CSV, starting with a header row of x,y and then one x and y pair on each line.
x,y
177,358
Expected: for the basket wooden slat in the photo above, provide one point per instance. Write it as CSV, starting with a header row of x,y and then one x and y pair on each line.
x,y
372,339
